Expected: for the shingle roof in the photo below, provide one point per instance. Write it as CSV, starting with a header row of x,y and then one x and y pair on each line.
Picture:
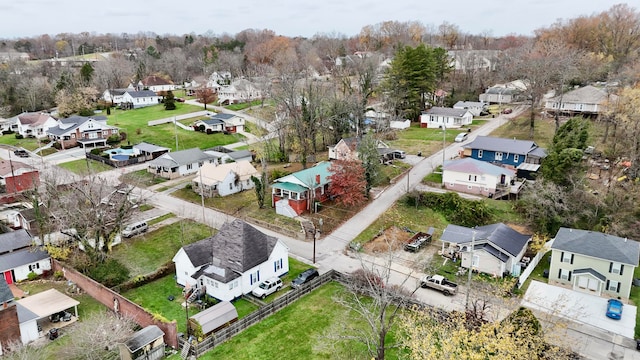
x,y
73,122
22,257
212,122
5,293
512,146
237,247
498,234
584,95
443,111
182,157
473,166
150,148
14,240
25,314
153,80
9,167
467,104
222,116
143,337
598,245
307,177
212,174
33,118
240,154
141,93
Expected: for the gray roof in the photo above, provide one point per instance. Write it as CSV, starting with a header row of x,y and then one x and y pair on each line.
x,y
590,271
240,154
22,257
512,146
117,91
75,122
5,293
498,234
467,104
237,247
443,111
182,157
150,148
215,316
143,337
141,93
25,314
597,245
222,117
213,122
502,90
14,240
472,166
584,95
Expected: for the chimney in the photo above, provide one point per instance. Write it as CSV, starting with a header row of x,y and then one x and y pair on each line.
x,y
318,179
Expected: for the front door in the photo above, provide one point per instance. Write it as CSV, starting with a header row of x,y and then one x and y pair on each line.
x,y
8,277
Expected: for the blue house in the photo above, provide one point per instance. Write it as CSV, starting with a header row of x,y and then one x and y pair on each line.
x,y
523,155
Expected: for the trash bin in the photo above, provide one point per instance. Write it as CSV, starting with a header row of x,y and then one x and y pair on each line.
x,y
637,344
53,334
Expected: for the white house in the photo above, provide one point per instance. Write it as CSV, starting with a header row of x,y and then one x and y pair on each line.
x,y
141,98
241,90
34,124
231,263
473,176
588,100
18,257
437,117
156,84
172,165
224,179
115,96
475,108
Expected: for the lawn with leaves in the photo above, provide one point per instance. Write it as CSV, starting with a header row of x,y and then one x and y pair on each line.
x,y
145,253
134,124
142,178
426,140
85,167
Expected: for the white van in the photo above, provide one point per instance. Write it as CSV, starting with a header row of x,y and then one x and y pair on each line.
x,y
135,229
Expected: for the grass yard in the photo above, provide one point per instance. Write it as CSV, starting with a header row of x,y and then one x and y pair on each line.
x,y
145,253
296,332
134,123
142,178
426,140
635,299
85,166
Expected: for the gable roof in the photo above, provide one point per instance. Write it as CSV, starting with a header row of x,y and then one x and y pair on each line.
x,y
215,316
70,124
150,148
14,240
153,80
467,104
10,167
34,119
22,257
5,292
585,95
472,166
236,248
182,157
143,337
212,174
141,93
598,245
222,116
512,146
307,177
240,154
498,234
443,111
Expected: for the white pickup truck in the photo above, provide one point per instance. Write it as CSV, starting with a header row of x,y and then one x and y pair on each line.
x,y
439,282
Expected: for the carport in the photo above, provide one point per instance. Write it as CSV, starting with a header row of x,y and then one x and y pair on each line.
x,y
48,303
579,307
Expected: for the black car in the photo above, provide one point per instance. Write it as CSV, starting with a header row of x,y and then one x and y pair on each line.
x,y
304,278
21,153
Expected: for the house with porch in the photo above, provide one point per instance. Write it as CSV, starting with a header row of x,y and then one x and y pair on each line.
x,y
475,108
224,179
494,249
82,131
34,124
439,117
175,164
504,93
593,262
19,256
297,193
220,122
140,98
231,263
588,101
525,156
473,176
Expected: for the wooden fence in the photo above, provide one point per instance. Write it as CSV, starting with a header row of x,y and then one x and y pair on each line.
x,y
120,163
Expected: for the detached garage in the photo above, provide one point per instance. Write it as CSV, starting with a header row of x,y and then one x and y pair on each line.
x,y
37,308
213,319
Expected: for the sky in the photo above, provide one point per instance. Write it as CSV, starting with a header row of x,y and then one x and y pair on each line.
x,y
291,18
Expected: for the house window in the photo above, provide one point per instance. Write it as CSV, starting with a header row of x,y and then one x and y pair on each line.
x,y
498,156
189,166
480,153
277,265
615,268
476,261
255,277
613,285
566,258
34,266
564,274
516,158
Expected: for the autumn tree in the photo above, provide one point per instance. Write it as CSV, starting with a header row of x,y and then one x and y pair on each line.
x,y
206,96
348,183
79,101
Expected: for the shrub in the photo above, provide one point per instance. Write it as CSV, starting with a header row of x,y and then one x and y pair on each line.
x,y
57,146
96,151
209,131
123,136
58,275
32,276
277,173
188,186
7,132
138,131
109,273
201,127
18,136
113,139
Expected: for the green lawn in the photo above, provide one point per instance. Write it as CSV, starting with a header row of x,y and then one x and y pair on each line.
x,y
85,166
426,140
296,332
142,178
27,143
635,299
146,253
134,124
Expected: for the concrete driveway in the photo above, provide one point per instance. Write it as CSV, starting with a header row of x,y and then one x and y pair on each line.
x,y
579,307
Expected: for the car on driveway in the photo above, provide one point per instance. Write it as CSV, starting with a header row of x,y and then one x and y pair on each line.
x,y
461,137
267,288
304,278
507,111
614,309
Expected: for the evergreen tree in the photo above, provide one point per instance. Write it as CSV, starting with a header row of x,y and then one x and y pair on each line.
x,y
169,101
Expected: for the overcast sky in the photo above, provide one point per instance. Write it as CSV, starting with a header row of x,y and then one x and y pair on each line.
x,y
285,17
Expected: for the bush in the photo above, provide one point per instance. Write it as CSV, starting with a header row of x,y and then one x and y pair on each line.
x,y
189,186
113,139
277,173
58,275
57,146
18,136
109,273
96,151
7,132
32,276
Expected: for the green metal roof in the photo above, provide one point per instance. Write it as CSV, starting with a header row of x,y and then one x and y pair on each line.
x,y
308,176
289,186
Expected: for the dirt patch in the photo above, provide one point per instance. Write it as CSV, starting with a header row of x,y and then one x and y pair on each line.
x,y
393,238
522,229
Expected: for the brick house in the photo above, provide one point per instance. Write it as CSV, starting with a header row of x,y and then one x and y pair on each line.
x,y
17,177
83,131
294,194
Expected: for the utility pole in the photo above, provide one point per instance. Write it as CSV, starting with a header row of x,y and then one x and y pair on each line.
x,y
444,142
473,241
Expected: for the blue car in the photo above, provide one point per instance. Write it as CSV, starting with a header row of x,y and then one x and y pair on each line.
x,y
614,309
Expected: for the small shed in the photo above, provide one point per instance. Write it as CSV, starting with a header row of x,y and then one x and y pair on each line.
x,y
147,344
213,319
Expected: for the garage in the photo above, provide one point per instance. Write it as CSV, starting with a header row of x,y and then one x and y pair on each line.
x,y
579,307
46,305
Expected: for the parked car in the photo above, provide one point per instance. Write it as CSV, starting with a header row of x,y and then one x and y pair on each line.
x,y
304,278
180,99
461,137
507,111
267,287
614,309
438,282
135,229
21,153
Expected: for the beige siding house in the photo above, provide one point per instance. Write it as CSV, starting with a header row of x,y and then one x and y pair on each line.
x,y
593,262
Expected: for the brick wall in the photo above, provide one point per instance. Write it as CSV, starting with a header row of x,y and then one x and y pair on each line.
x,y
127,308
9,325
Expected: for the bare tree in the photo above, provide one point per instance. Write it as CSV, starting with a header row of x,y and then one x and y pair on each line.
x,y
97,337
